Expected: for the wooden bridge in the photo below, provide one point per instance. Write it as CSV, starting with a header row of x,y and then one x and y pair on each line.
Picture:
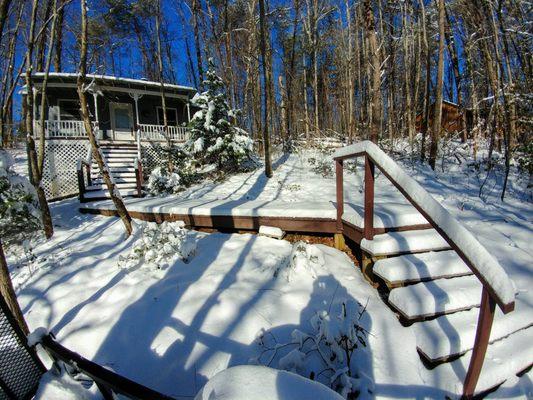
x,y
435,273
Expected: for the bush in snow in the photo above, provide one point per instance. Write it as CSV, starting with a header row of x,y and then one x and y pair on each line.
x,y
19,207
304,256
327,354
214,138
160,245
161,181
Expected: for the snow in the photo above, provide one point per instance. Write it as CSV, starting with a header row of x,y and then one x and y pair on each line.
x,y
175,329
61,386
402,242
455,333
482,260
438,296
262,383
415,267
271,231
117,79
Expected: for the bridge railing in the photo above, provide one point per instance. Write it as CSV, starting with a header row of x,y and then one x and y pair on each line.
x,y
497,287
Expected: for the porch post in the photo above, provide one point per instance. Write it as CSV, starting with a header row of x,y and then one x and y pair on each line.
x,y
188,112
136,100
368,228
96,118
339,237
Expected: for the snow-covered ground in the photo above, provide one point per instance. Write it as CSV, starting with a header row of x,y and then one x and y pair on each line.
x,y
175,328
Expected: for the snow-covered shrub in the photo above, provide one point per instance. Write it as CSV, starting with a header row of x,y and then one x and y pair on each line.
x,y
304,256
19,207
214,138
161,181
160,245
328,353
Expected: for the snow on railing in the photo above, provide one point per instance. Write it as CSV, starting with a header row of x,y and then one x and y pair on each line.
x,y
497,286
157,132
482,263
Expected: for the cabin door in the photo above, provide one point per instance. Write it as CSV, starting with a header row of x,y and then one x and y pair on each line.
x,y
121,121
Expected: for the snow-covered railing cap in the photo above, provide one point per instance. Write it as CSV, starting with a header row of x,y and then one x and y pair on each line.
x,y
487,269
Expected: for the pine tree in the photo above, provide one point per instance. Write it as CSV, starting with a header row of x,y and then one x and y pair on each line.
x,y
214,138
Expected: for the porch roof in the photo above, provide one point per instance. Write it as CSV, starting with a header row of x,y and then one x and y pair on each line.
x,y
115,83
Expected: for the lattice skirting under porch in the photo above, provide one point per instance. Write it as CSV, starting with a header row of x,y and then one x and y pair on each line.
x,y
59,176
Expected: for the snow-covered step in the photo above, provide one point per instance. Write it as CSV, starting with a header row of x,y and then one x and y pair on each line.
x,y
120,157
404,242
452,335
119,151
441,296
122,175
103,194
411,268
102,186
118,180
117,160
116,169
503,359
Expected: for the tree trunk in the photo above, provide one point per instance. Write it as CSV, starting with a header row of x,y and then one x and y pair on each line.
x,y
104,170
59,37
266,82
437,113
375,72
8,293
35,172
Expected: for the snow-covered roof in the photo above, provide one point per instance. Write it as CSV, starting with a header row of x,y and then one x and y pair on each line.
x,y
69,77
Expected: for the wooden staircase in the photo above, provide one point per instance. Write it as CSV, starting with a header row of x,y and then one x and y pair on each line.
x,y
124,168
441,282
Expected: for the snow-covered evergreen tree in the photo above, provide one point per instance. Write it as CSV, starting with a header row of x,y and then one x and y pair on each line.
x,y
19,207
214,138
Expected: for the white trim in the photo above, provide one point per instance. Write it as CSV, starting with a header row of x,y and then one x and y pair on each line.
x,y
168,108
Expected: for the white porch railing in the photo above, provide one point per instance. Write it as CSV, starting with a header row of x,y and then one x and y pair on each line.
x,y
157,133
61,129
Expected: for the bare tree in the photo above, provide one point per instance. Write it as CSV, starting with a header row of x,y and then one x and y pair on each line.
x,y
104,170
266,85
437,113
35,171
8,293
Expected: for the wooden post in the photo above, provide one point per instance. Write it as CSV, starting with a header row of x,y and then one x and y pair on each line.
x,y
484,325
369,199
339,237
81,183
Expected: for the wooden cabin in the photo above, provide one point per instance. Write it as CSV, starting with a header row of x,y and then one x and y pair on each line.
x,y
127,116
451,117
119,107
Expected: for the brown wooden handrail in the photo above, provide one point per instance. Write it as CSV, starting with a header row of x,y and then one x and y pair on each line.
x,y
497,287
138,176
81,181
109,382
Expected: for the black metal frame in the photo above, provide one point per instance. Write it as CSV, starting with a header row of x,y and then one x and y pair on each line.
x,y
20,369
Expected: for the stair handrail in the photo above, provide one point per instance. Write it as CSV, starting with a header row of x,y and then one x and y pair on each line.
x,y
497,286
138,175
84,163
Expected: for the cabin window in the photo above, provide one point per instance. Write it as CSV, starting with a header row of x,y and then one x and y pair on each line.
x,y
172,116
69,110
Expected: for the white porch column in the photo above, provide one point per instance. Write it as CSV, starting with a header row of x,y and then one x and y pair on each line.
x,y
188,112
136,100
95,98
